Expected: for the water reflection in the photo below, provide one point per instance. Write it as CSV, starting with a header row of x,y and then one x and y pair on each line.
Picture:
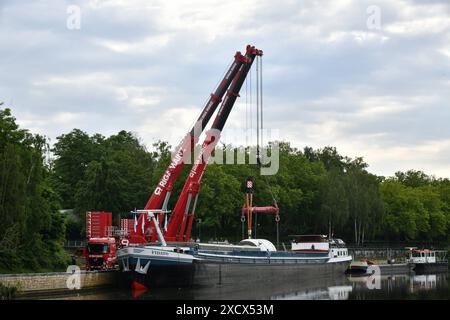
x,y
423,282
331,293
339,293
403,286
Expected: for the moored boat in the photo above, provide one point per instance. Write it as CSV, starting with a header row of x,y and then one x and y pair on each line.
x,y
426,260
199,264
359,267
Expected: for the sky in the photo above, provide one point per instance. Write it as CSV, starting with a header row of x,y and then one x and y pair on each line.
x,y
371,78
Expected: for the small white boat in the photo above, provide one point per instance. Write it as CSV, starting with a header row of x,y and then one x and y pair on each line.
x,y
359,267
426,260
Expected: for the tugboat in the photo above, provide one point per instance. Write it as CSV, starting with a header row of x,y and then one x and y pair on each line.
x,y
426,260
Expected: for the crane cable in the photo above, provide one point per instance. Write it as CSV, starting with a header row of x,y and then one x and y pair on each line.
x,y
260,136
246,111
247,116
262,122
258,155
258,76
260,126
259,130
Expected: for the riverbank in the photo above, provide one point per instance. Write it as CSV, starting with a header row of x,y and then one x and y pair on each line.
x,y
35,284
321,287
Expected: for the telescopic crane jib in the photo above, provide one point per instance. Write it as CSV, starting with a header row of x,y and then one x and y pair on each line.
x,y
183,214
180,223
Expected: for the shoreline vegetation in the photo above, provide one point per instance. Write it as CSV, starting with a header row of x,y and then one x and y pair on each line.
x,y
7,292
318,192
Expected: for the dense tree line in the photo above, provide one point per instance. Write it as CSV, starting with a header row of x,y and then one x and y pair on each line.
x,y
31,228
318,191
103,174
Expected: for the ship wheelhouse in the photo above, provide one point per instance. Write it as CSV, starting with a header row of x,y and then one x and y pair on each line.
x,y
422,256
310,243
319,243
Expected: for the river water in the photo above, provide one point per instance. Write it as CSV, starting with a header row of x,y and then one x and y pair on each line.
x,y
342,287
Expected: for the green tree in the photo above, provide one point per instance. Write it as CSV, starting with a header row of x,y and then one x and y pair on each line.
x,y
219,203
413,178
32,227
335,204
73,152
119,180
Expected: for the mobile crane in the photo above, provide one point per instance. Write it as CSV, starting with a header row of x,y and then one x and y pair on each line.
x,y
148,228
161,195
180,222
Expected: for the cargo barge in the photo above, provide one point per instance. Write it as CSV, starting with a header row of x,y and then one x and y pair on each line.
x,y
251,260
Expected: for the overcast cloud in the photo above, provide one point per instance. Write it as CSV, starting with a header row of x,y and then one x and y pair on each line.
x,y
148,67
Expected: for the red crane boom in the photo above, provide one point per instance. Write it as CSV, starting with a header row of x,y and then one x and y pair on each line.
x,y
160,196
180,224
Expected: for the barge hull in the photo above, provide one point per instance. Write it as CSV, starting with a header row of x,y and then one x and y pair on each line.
x,y
203,274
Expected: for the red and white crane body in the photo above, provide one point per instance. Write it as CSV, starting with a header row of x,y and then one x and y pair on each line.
x,y
180,223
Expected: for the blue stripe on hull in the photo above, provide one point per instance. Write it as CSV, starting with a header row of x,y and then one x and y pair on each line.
x,y
256,254
157,262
